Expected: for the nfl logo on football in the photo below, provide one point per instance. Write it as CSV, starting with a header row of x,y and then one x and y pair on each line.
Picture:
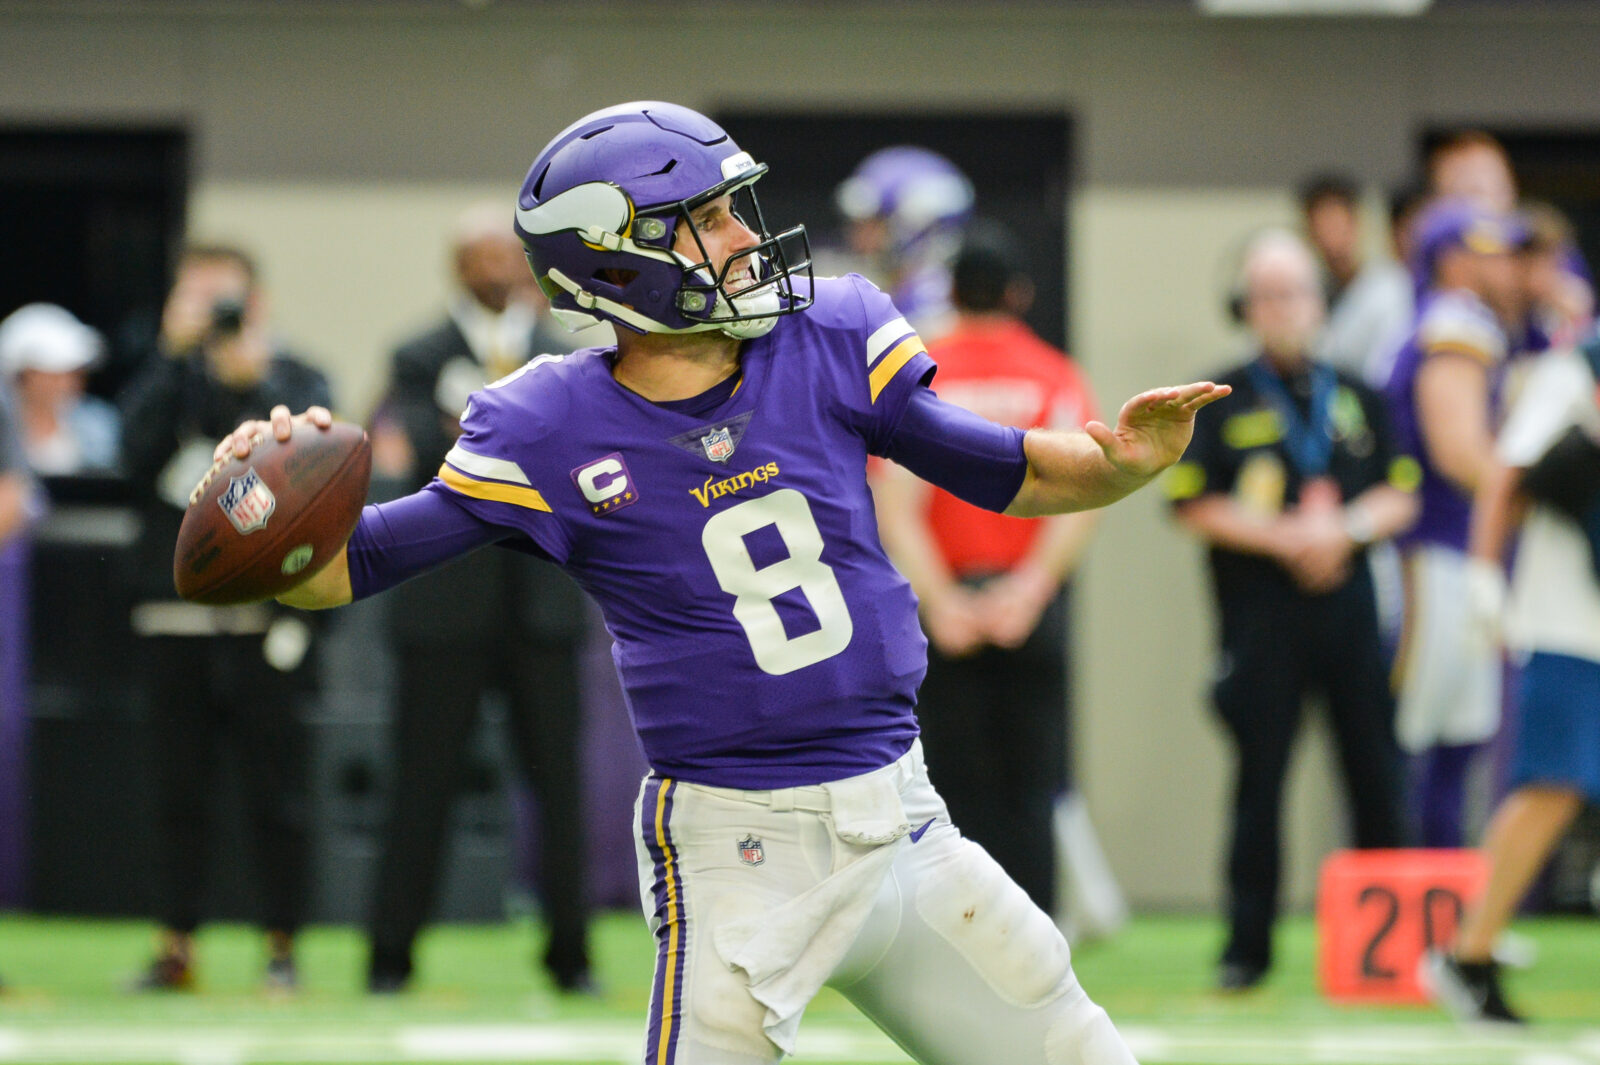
x,y
718,445
750,852
248,502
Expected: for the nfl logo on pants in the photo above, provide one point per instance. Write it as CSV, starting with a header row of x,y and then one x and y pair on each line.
x,y
750,852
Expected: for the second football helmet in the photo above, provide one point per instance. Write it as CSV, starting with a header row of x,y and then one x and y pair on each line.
x,y
920,194
600,210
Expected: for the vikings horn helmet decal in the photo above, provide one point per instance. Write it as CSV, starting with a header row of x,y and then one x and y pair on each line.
x,y
599,212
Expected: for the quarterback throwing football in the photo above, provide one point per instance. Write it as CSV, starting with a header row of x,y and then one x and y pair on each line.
x,y
705,481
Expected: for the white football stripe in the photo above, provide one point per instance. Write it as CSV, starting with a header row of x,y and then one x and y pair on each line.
x,y
884,337
486,466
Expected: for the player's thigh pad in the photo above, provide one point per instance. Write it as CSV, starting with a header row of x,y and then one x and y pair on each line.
x,y
974,971
1449,683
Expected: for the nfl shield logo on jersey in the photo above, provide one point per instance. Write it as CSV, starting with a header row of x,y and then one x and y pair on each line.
x,y
248,502
750,852
719,444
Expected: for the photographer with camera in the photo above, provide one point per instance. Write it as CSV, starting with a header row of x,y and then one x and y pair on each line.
x,y
215,671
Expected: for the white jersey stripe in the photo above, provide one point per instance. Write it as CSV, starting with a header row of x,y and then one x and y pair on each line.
x,y
883,338
485,466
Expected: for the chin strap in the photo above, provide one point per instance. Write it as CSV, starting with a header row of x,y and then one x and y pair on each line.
x,y
589,303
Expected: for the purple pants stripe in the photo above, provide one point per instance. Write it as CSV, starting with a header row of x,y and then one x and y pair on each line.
x,y
666,994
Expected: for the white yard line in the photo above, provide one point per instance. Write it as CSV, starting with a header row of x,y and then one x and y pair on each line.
x,y
1199,1043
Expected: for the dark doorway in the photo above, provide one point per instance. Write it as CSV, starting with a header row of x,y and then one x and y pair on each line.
x,y
91,219
1019,164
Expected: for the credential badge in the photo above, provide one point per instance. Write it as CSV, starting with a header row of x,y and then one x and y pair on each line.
x,y
718,444
248,502
750,852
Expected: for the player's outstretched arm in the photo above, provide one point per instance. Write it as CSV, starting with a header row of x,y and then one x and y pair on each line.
x,y
329,586
1101,464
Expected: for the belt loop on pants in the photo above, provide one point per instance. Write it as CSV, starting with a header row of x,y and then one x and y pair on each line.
x,y
782,800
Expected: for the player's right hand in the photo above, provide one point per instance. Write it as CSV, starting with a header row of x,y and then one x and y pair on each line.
x,y
280,423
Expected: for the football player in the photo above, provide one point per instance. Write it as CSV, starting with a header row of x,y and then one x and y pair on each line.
x,y
1445,399
705,481
907,208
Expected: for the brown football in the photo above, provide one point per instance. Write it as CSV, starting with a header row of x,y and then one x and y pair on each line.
x,y
258,527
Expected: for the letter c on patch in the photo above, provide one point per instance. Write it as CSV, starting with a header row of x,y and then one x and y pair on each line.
x,y
602,480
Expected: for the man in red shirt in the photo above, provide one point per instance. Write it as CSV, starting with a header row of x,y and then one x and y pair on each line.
x,y
993,708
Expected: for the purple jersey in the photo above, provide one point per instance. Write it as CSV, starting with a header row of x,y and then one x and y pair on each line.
x,y
1455,323
761,634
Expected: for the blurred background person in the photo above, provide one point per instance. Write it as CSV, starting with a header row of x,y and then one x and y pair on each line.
x,y
214,672
1472,165
906,208
1562,300
47,354
1547,481
1445,398
496,621
994,707
1369,298
1405,203
17,508
1288,485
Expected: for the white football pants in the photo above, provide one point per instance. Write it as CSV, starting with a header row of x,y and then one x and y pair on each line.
x,y
1448,678
758,899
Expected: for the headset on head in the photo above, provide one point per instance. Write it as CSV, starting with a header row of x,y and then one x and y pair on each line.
x,y
1236,301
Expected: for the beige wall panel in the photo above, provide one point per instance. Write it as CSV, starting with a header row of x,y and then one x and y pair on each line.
x,y
350,269
1150,267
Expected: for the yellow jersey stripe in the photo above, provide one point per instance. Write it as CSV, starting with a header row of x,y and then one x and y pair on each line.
x,y
1459,347
493,490
884,372
669,864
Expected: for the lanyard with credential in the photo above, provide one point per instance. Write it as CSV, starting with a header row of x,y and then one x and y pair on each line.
x,y
1309,441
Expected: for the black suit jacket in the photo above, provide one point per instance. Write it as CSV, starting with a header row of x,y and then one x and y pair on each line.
x,y
492,593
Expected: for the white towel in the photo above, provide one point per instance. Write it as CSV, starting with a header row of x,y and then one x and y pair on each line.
x,y
789,951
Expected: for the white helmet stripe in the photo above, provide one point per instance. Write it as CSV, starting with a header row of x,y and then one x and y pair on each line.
x,y
579,208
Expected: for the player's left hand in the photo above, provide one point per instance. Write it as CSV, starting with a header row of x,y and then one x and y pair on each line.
x,y
1154,427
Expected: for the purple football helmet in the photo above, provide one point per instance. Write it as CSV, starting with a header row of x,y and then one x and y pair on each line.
x,y
599,211
920,193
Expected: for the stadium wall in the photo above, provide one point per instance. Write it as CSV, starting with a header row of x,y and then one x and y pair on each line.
x,y
340,139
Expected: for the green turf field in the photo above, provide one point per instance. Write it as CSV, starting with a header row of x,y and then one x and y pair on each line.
x,y
477,999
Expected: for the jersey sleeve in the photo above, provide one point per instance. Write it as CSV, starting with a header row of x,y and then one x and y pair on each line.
x,y
490,472
406,537
889,362
1449,327
970,457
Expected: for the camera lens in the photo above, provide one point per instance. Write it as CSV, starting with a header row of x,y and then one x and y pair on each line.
x,y
227,316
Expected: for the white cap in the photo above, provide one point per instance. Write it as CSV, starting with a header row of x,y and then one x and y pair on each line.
x,y
42,336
